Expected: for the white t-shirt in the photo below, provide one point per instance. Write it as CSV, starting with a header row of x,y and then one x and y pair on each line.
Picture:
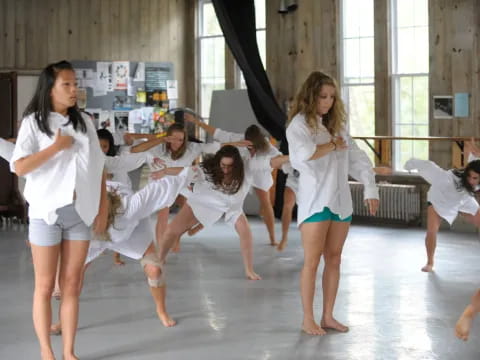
x,y
119,166
6,149
446,199
77,169
323,182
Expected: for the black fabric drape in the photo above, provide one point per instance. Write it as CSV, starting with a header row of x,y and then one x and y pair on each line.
x,y
237,20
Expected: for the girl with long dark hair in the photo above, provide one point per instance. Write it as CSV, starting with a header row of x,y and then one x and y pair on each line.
x,y
58,152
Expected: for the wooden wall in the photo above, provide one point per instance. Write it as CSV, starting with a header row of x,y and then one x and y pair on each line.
x,y
307,40
300,42
37,32
454,67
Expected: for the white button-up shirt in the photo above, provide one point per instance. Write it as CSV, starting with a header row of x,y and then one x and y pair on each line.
x,y
447,199
193,151
77,169
323,182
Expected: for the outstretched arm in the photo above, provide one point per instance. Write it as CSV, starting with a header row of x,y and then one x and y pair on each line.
x,y
192,119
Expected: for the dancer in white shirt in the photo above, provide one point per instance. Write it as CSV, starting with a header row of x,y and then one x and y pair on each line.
x,y
228,178
262,180
451,193
175,151
325,155
58,152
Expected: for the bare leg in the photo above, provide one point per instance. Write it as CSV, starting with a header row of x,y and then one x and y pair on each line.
x,y
246,239
162,222
183,221
313,239
180,201
74,253
117,260
56,329
337,233
464,323
288,205
45,265
56,291
266,210
158,293
433,224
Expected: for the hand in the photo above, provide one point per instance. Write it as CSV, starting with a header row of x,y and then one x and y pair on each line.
x,y
158,163
157,175
340,144
189,118
100,223
128,139
372,205
167,139
62,142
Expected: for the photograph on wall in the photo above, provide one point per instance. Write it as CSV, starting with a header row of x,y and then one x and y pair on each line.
x,y
443,107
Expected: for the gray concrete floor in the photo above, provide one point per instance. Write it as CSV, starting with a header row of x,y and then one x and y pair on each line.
x,y
394,311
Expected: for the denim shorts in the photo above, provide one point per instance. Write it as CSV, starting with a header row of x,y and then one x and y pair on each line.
x,y
69,226
326,215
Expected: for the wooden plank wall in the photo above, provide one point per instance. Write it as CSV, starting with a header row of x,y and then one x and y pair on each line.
x,y
299,43
454,67
34,33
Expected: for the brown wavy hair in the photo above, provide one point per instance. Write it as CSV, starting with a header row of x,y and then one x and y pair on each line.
x,y
114,208
175,155
213,171
257,137
305,102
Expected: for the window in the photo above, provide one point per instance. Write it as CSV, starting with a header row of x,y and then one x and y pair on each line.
x,y
357,79
260,23
211,45
410,78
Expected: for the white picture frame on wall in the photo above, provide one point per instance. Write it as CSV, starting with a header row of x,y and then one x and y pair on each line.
x,y
443,107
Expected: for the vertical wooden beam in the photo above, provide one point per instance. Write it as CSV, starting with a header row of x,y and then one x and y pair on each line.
x,y
230,69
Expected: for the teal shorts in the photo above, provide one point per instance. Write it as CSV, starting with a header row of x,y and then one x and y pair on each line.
x,y
326,215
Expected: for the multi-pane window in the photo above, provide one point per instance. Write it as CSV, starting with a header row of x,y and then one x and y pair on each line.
x,y
410,78
260,23
358,72
212,56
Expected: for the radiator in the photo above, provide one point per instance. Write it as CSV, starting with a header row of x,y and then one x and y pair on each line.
x,y
400,203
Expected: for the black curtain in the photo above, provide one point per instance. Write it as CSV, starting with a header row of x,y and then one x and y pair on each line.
x,y
237,20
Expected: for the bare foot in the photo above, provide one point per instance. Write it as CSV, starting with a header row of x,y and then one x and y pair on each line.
x,y
282,245
464,324
333,325
193,230
47,354
251,275
311,328
273,242
70,357
56,294
167,321
117,260
56,329
427,268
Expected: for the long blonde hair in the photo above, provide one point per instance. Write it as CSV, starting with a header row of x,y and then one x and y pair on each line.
x,y
114,207
305,102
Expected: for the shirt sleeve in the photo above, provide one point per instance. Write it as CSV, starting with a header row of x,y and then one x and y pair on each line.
x,y
426,169
360,168
26,144
6,149
472,157
126,162
300,142
226,136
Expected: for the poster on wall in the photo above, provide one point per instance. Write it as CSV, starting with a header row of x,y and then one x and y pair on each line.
x,y
120,74
443,107
103,79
